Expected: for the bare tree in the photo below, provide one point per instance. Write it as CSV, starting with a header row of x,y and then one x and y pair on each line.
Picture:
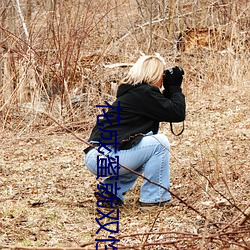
x,y
150,10
27,86
171,19
6,62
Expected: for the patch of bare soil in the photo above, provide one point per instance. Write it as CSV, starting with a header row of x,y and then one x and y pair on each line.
x,y
46,193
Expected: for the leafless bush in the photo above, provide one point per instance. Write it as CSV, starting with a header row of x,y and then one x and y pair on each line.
x,y
54,52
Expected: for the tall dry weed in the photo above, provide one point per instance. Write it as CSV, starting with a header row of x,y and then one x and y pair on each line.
x,y
70,42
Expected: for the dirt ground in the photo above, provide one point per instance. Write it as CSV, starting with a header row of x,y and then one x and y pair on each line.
x,y
46,193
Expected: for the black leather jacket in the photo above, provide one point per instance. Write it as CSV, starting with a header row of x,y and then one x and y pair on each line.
x,y
143,107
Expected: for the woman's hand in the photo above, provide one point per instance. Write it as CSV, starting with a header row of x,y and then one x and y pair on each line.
x,y
173,77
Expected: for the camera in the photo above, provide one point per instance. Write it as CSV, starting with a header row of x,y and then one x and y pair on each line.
x,y
173,76
171,70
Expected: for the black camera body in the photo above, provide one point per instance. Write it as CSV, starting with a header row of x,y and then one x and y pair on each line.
x,y
169,70
173,76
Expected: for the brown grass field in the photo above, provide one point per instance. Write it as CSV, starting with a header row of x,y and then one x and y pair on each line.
x,y
65,65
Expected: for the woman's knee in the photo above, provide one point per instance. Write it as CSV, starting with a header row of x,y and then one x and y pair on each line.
x,y
163,140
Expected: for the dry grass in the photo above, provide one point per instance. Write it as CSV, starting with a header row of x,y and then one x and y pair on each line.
x,y
46,193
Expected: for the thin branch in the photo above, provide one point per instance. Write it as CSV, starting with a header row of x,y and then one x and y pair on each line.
x,y
39,248
246,217
153,224
19,11
115,65
217,191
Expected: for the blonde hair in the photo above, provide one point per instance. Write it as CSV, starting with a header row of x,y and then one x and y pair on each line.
x,y
148,69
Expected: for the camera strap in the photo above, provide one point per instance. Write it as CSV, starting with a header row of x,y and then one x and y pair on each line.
x,y
172,130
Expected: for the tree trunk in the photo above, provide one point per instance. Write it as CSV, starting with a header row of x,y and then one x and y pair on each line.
x,y
6,67
28,87
150,10
171,20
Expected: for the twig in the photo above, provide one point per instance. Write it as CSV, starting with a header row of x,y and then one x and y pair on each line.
x,y
235,244
115,65
246,217
234,205
19,11
65,128
151,244
147,235
179,236
223,179
231,223
39,248
186,235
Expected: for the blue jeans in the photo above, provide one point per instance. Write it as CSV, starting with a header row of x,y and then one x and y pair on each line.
x,y
148,157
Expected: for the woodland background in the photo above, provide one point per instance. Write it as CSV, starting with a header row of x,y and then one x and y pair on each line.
x,y
58,59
